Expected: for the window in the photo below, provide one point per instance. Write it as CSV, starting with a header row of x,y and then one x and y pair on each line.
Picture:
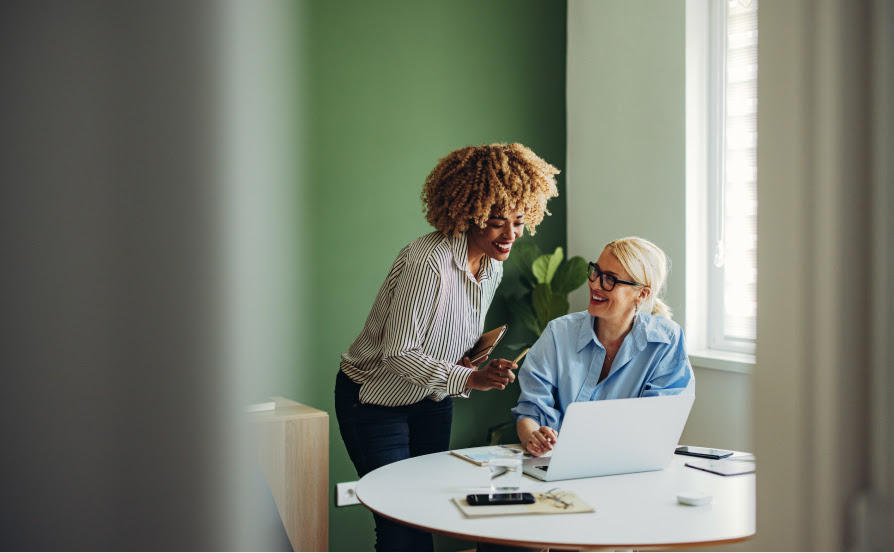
x,y
722,174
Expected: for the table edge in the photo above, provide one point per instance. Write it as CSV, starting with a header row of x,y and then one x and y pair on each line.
x,y
558,545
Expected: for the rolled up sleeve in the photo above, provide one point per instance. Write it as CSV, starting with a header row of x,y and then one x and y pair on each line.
x,y
537,379
673,375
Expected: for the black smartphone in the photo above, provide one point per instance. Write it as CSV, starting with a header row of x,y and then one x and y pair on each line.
x,y
499,499
706,452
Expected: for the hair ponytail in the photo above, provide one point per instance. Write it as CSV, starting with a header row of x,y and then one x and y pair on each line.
x,y
661,308
647,265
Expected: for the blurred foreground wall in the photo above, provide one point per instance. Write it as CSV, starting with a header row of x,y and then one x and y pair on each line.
x,y
118,398
109,283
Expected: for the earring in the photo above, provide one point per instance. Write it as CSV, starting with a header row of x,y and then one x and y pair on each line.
x,y
635,312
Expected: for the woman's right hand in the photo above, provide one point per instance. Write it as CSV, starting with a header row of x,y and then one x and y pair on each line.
x,y
540,441
496,374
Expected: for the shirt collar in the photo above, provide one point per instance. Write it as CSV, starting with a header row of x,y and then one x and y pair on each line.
x,y
459,245
646,329
586,334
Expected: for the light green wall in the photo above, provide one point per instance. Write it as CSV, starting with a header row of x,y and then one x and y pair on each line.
x,y
388,88
626,130
626,168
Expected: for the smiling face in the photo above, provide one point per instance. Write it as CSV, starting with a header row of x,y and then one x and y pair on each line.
x,y
615,305
496,238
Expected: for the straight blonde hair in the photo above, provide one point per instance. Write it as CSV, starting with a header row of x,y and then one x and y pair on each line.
x,y
648,266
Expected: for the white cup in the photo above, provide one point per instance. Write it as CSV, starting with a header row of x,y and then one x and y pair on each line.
x,y
505,464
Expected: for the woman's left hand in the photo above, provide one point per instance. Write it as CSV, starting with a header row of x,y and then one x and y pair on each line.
x,y
466,362
540,441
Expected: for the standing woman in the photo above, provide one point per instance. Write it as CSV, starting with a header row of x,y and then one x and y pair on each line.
x,y
393,394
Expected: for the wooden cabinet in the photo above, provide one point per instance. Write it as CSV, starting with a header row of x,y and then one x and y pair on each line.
x,y
293,452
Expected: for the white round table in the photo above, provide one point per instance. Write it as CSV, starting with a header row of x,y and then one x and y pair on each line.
x,y
633,511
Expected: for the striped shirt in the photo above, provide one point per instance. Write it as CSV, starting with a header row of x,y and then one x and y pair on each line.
x,y
427,315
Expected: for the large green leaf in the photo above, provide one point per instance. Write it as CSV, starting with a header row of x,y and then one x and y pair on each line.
x,y
545,266
559,306
547,304
540,300
516,347
523,314
570,275
524,253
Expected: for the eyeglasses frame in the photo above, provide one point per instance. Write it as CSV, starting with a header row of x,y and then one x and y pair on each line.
x,y
558,496
600,274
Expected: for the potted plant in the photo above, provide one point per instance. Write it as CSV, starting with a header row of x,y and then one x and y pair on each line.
x,y
546,280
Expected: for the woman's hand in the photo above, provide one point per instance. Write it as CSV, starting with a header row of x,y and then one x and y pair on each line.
x,y
466,362
496,374
540,441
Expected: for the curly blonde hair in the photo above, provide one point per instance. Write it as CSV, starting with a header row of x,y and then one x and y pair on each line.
x,y
466,184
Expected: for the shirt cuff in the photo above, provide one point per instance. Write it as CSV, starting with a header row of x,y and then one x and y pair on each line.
x,y
526,412
456,381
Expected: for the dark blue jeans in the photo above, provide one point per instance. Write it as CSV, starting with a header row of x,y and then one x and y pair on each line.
x,y
376,436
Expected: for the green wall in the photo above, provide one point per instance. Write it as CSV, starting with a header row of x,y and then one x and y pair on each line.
x,y
387,88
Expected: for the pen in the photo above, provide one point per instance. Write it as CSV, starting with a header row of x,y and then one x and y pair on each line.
x,y
517,359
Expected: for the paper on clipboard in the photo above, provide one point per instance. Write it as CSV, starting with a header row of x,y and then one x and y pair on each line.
x,y
478,455
475,457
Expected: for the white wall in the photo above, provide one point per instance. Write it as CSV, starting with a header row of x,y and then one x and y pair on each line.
x,y
626,167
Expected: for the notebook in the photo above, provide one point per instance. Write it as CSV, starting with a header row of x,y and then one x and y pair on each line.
x,y
486,343
732,466
614,436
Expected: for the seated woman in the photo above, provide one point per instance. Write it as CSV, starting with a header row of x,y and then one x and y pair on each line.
x,y
624,345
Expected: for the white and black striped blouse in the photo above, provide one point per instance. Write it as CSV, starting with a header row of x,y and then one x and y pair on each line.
x,y
427,315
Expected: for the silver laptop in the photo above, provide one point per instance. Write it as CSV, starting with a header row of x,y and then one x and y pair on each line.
x,y
614,436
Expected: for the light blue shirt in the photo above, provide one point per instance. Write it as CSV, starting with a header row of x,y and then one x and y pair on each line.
x,y
564,365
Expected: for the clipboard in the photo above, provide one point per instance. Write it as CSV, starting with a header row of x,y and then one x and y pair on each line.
x,y
478,455
487,343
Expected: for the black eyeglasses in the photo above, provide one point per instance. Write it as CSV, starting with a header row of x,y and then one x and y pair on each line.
x,y
608,281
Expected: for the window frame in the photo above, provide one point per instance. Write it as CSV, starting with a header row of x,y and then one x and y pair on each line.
x,y
706,49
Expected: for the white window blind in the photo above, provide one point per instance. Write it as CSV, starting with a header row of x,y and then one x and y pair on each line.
x,y
732,186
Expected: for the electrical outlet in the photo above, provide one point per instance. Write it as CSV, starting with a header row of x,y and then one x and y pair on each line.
x,y
345,494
